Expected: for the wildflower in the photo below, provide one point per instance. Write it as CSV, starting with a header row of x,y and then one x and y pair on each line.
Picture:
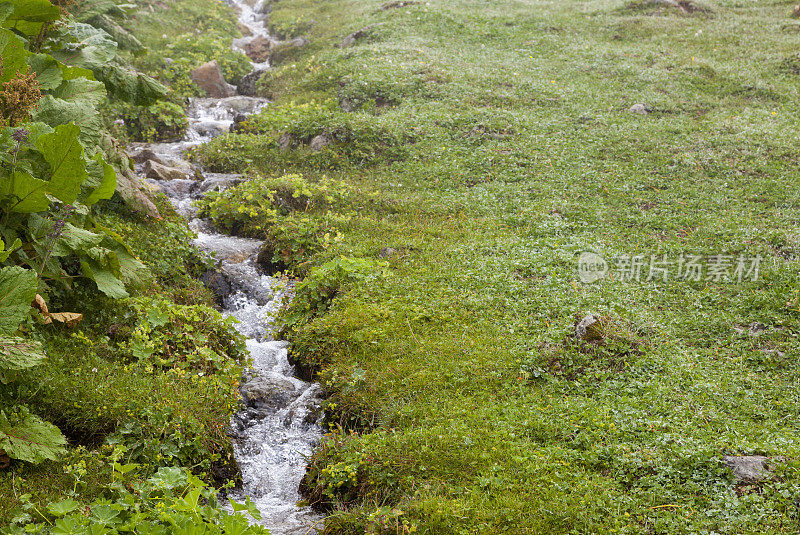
x,y
120,122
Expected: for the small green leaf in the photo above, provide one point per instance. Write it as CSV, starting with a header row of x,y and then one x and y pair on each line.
x,y
62,508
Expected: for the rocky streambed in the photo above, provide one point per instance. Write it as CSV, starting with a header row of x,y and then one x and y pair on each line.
x,y
278,428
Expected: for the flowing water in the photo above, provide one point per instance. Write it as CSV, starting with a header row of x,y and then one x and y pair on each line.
x,y
276,432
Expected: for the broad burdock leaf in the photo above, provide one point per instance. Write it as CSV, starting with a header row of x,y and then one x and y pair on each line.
x,y
5,251
56,111
102,181
12,50
22,193
28,438
64,153
17,292
91,47
125,39
47,69
18,354
81,89
32,11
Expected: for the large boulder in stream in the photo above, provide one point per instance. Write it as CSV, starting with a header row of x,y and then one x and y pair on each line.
x,y
267,390
258,49
209,78
159,171
247,86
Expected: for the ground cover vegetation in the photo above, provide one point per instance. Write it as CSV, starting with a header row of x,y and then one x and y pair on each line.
x,y
486,146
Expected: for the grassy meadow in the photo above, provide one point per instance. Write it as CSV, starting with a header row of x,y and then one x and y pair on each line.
x,y
488,144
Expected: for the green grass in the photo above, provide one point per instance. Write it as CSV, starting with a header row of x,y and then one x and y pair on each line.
x,y
457,402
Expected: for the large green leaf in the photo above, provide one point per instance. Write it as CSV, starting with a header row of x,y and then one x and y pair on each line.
x,y
30,438
106,281
12,50
18,354
64,153
125,39
102,180
91,47
84,11
130,86
33,11
75,240
81,89
47,69
23,193
56,111
17,292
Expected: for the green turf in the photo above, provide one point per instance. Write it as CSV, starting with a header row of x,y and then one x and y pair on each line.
x,y
462,404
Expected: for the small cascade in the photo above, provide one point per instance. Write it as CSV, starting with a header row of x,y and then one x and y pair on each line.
x,y
277,431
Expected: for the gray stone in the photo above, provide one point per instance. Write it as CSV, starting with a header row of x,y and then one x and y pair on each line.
x,y
750,469
286,142
387,252
299,42
219,283
639,108
267,390
258,49
588,329
247,86
209,78
144,155
351,39
320,142
157,171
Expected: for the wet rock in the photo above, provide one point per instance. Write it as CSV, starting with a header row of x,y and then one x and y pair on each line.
x,y
177,188
588,329
265,7
219,283
286,142
299,42
157,171
144,155
247,86
639,108
750,469
267,390
320,142
209,78
387,252
268,260
351,39
245,30
258,49
347,105
238,119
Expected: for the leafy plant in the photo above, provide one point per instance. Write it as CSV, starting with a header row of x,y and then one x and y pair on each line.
x,y
23,436
315,294
171,501
195,337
